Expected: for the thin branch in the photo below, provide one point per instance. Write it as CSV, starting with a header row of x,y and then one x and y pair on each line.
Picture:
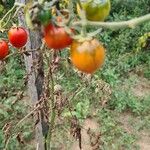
x,y
18,124
52,116
20,53
117,25
28,115
20,5
7,14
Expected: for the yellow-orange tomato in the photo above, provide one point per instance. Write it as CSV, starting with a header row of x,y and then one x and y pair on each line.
x,y
87,56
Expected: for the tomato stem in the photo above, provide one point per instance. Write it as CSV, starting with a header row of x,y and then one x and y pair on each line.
x,y
41,1
83,31
84,20
71,11
10,11
84,25
1,21
116,25
80,5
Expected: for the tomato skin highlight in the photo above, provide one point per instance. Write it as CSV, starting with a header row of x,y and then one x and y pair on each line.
x,y
56,37
87,56
17,36
4,49
95,10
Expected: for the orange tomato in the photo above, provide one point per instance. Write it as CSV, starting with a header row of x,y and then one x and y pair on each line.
x,y
87,56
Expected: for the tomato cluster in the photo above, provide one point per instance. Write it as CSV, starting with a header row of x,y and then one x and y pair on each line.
x,y
17,36
87,55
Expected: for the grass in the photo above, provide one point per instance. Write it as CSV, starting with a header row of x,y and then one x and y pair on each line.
x,y
107,96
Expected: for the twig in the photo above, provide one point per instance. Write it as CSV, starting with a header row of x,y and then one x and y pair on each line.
x,y
23,119
37,146
10,11
7,14
23,52
53,113
17,10
28,115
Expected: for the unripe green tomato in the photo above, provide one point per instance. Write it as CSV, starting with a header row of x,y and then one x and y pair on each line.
x,y
96,10
45,17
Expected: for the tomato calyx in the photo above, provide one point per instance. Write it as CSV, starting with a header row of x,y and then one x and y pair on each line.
x,y
81,38
87,36
88,45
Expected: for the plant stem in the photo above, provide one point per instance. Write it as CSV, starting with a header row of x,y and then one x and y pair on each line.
x,y
83,20
79,3
117,25
12,9
52,112
1,21
71,12
41,1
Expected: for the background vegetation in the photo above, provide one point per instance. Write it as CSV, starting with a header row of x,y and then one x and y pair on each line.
x,y
117,96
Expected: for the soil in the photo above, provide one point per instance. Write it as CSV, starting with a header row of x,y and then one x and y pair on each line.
x,y
86,140
143,136
140,89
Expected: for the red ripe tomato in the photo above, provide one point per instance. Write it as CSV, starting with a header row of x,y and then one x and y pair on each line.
x,y
56,37
4,49
17,36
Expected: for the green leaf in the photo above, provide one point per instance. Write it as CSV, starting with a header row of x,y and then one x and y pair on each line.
x,y
4,113
1,8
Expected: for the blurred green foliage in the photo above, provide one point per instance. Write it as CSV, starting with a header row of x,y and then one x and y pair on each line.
x,y
122,61
5,6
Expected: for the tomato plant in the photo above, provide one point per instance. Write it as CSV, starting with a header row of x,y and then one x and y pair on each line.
x,y
4,49
17,36
96,10
87,56
56,37
52,94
